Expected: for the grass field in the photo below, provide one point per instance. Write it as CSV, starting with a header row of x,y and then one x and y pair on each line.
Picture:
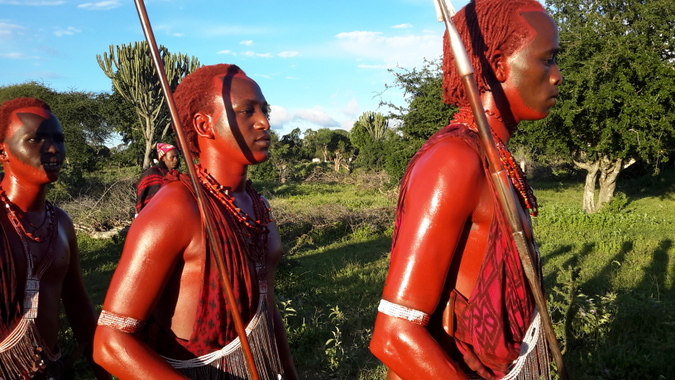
x,y
609,276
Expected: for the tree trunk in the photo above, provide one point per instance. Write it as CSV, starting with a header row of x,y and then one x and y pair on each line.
x,y
325,153
282,173
149,129
605,171
589,186
609,172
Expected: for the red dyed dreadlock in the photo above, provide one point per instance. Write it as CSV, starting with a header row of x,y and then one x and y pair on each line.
x,y
10,106
195,94
485,26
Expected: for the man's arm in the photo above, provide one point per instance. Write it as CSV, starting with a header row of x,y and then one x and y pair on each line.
x,y
155,243
79,309
443,193
275,252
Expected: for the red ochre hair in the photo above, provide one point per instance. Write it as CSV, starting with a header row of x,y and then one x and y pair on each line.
x,y
195,94
10,106
485,26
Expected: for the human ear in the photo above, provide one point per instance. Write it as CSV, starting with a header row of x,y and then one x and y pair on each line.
x,y
499,66
203,125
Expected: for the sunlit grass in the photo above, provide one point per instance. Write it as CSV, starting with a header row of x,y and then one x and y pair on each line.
x,y
610,276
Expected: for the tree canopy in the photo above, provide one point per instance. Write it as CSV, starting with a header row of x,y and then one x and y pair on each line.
x,y
618,94
135,79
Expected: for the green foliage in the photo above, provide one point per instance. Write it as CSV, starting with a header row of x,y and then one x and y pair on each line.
x,y
423,89
617,99
135,79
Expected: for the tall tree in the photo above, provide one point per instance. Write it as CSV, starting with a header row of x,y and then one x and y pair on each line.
x,y
134,77
368,135
425,112
617,100
329,144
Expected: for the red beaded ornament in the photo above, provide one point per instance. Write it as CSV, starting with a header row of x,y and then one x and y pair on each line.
x,y
516,175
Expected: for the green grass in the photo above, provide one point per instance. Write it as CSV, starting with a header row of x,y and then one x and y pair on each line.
x,y
609,276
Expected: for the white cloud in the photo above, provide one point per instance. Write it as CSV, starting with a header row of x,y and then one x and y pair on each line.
x,y
250,53
280,116
69,31
228,52
378,67
288,54
220,30
316,117
9,30
389,51
168,31
347,125
101,5
33,3
246,43
352,108
12,55
402,26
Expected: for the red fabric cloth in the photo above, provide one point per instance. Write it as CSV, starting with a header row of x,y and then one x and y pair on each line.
x,y
149,184
11,295
214,327
490,325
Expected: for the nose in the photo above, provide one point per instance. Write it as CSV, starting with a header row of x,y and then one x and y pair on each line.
x,y
556,75
262,122
52,146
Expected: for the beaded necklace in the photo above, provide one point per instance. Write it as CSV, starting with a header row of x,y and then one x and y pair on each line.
x,y
19,226
255,231
515,173
33,275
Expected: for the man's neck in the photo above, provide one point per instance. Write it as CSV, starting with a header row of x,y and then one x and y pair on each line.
x,y
230,175
500,118
26,196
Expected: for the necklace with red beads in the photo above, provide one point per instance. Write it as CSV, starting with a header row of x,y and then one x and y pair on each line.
x,y
516,175
222,193
16,217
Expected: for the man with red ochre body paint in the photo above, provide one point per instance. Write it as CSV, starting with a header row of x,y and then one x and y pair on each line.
x,y
39,259
456,304
165,315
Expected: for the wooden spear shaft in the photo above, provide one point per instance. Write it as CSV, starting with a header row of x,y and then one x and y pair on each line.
x,y
500,179
209,223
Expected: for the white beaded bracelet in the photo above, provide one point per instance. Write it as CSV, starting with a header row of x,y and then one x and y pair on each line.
x,y
397,311
120,322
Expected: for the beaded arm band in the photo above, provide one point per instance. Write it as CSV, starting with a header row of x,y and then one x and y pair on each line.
x,y
120,322
393,310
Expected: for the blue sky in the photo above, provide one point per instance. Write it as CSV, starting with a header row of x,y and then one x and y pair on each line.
x,y
319,63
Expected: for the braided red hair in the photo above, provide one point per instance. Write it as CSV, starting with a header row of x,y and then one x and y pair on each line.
x,y
485,26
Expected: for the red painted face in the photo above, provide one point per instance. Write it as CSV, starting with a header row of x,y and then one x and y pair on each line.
x,y
531,84
34,146
242,119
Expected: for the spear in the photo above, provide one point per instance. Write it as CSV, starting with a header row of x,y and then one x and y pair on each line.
x,y
199,196
500,179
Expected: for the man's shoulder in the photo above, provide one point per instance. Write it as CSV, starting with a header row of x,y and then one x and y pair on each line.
x,y
450,152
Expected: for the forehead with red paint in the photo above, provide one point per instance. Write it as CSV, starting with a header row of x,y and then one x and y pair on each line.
x,y
222,84
21,116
